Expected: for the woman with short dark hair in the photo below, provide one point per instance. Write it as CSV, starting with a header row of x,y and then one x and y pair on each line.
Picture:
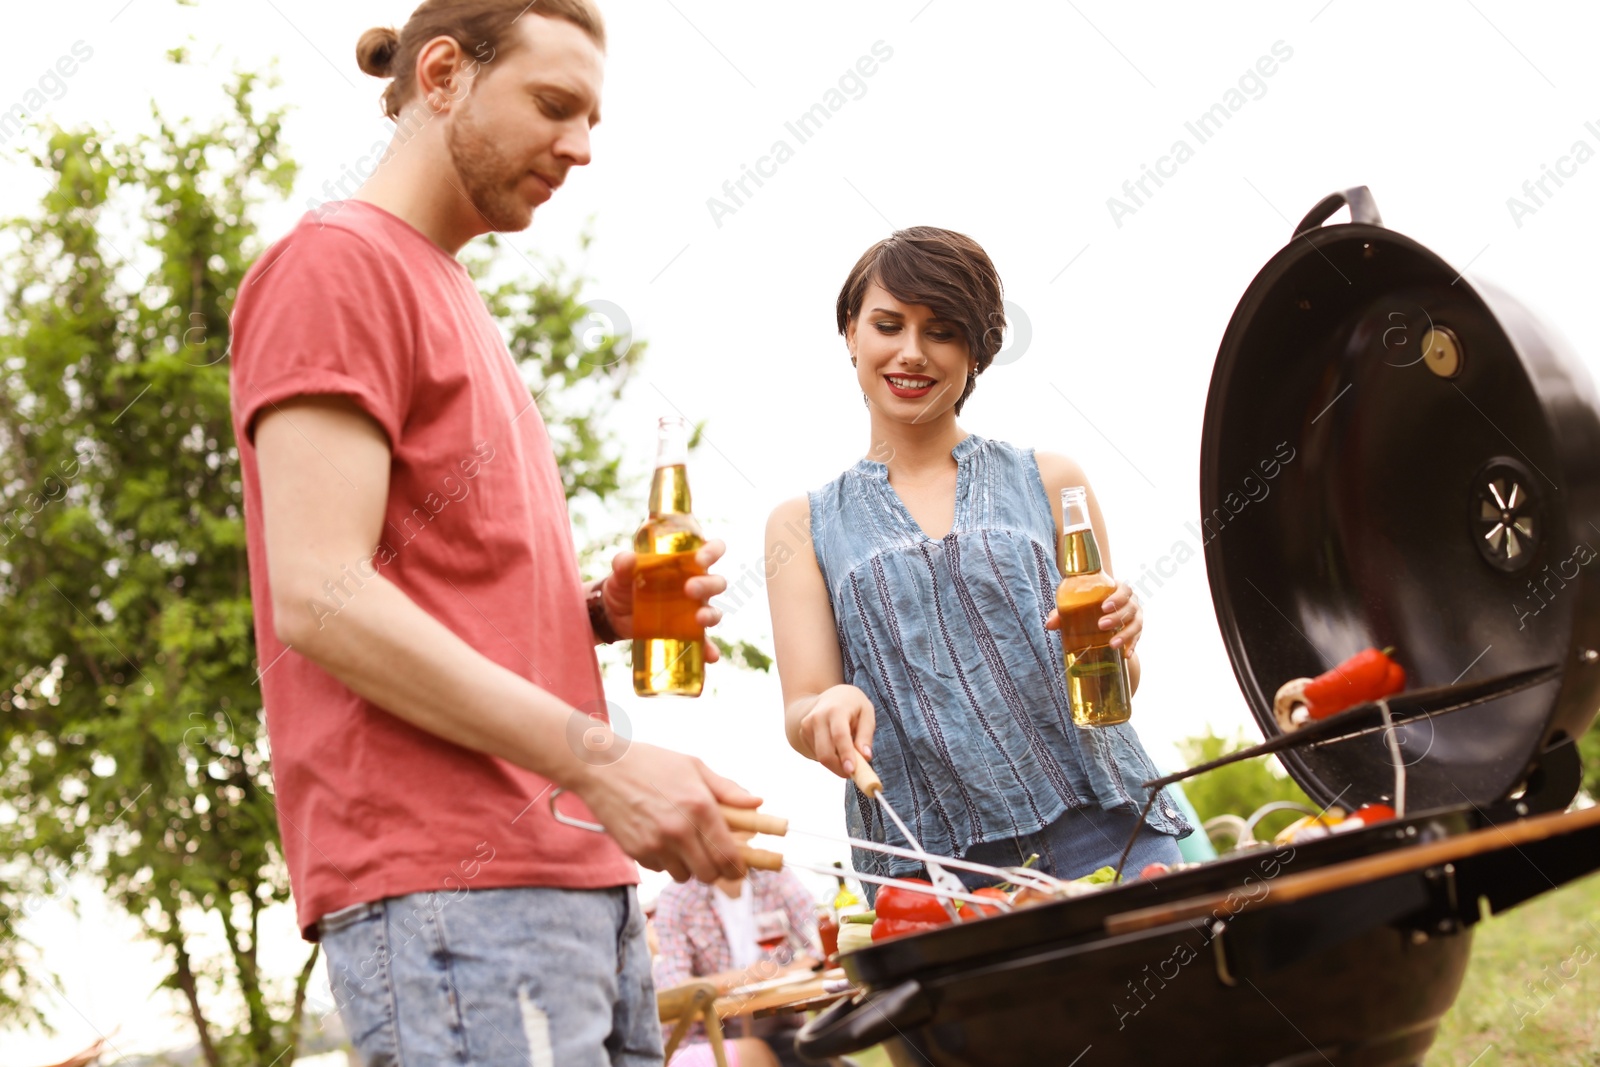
x,y
919,630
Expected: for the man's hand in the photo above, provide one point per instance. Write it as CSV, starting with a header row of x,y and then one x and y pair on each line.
x,y
661,807
389,650
618,592
838,729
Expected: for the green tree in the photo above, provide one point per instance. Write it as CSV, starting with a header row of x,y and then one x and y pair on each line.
x,y
1589,749
132,745
1239,788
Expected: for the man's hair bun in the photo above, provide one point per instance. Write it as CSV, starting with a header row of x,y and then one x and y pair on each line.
x,y
376,50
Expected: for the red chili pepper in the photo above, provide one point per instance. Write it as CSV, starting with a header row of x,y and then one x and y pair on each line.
x,y
882,928
1365,676
894,902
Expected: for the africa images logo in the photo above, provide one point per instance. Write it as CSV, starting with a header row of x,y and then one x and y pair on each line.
x,y
804,127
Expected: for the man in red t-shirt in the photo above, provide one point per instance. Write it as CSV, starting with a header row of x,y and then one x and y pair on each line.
x,y
425,641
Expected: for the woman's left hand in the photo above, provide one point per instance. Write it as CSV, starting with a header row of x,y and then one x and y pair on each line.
x,y
1122,614
702,587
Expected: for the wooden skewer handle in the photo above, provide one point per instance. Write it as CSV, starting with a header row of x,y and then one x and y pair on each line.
x,y
760,858
754,822
867,779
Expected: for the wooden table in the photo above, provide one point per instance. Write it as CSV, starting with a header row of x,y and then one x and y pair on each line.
x,y
804,992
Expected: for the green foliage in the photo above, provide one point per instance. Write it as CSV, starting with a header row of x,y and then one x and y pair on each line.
x,y
1239,788
743,654
1589,749
129,717
132,744
567,348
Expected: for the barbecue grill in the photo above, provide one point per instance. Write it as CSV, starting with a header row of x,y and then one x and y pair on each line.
x,y
1441,495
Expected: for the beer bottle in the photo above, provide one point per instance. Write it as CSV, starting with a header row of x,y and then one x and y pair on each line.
x,y
668,644
1098,688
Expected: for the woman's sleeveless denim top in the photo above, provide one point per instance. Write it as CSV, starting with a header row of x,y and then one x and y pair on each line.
x,y
974,739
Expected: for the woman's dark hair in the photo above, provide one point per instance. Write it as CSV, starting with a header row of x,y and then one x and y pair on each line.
x,y
943,270
479,26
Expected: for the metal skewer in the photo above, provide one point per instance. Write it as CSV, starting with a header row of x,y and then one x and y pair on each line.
x,y
945,895
776,826
764,859
868,782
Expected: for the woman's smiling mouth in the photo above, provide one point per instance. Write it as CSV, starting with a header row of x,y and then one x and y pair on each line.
x,y
909,385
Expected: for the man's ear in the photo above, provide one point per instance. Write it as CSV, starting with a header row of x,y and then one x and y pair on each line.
x,y
442,73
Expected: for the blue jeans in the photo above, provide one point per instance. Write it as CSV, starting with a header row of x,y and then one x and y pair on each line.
x,y
529,977
1079,843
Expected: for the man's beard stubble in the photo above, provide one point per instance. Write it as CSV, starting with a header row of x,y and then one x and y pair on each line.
x,y
490,179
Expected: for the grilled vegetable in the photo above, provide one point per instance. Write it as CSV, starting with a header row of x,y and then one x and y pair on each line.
x,y
1367,676
1310,827
908,905
896,927
853,936
969,910
1366,815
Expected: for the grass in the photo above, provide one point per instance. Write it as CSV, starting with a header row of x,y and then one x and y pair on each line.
x,y
1532,993
873,1057
1515,1009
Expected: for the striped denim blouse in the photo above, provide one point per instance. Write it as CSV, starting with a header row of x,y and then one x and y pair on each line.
x,y
974,738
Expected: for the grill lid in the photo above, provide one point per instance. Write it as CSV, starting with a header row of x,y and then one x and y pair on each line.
x,y
1391,456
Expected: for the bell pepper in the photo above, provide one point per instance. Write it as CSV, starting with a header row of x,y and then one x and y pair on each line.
x,y
1364,816
909,905
1367,676
895,927
1368,814
1310,827
971,910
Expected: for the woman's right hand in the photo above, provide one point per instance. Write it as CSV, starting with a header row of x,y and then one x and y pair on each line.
x,y
838,729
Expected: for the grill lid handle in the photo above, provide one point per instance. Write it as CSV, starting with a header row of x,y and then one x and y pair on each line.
x,y
861,1022
1363,209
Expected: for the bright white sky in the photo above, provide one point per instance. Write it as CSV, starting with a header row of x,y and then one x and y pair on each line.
x,y
1012,122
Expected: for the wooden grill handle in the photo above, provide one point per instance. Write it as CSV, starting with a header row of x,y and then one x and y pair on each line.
x,y
761,859
754,822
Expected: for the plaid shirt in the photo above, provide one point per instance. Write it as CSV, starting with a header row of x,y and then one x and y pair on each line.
x,y
694,945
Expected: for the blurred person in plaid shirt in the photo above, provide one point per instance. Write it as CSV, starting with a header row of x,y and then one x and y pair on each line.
x,y
735,932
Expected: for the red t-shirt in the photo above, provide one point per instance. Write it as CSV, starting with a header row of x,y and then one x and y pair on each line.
x,y
357,303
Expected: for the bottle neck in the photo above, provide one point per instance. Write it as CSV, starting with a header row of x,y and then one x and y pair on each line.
x,y
1080,553
669,491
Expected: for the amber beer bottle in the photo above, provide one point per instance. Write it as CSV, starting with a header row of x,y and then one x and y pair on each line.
x,y
1098,688
668,644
